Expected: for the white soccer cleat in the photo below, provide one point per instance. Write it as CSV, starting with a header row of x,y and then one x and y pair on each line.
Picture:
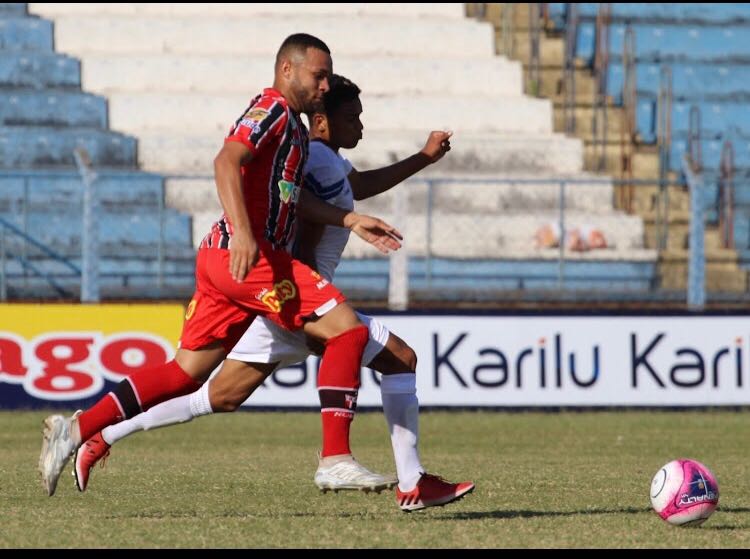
x,y
57,447
348,474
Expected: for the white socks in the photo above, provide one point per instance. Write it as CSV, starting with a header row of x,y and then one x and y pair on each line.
x,y
401,410
176,410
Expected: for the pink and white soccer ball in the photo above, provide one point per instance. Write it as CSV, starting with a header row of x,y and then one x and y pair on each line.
x,y
684,492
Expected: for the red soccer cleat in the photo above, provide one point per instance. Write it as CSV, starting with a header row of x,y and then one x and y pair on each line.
x,y
432,491
86,457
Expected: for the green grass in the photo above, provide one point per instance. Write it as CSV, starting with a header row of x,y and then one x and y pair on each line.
x,y
245,480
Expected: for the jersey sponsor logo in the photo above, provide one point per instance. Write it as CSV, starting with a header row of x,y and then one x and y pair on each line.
x,y
253,118
321,284
191,309
288,191
275,298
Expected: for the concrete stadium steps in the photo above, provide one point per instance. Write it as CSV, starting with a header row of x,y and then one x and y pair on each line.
x,y
39,71
475,152
207,33
30,147
502,235
479,194
116,192
21,33
143,113
250,10
198,197
123,235
52,108
470,153
508,235
483,279
378,75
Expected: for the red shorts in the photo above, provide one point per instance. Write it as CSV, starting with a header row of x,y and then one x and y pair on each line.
x,y
278,287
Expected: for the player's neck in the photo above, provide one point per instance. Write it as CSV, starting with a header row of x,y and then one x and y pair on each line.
x,y
325,141
287,94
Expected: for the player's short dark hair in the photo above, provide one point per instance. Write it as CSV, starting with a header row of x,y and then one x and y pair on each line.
x,y
341,90
300,42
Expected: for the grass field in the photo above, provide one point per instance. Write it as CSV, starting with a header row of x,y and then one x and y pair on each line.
x,y
245,480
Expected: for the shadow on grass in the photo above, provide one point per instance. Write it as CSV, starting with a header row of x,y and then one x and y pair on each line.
x,y
538,513
727,527
510,514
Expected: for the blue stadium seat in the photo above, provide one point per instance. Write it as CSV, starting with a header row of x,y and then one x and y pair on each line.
x,y
482,278
13,9
52,108
116,191
27,147
698,12
39,71
119,235
727,80
25,34
655,42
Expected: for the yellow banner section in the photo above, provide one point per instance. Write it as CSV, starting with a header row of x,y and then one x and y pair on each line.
x,y
69,352
32,320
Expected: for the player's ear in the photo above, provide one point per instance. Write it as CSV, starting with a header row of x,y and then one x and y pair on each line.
x,y
320,123
285,67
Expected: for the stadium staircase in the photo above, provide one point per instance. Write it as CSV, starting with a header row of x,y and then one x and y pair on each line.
x,y
705,50
44,117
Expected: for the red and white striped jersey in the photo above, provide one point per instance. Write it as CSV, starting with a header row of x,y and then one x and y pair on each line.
x,y
277,139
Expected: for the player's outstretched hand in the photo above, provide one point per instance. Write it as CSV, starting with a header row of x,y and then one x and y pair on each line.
x,y
438,144
243,255
375,231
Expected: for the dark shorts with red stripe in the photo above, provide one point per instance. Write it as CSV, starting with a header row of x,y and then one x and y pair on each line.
x,y
278,287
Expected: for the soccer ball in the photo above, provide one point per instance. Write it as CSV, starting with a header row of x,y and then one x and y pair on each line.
x,y
684,492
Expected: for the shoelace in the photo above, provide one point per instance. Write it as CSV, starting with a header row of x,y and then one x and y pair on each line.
x,y
103,459
351,471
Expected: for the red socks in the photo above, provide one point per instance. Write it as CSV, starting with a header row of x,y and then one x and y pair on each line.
x,y
338,384
140,391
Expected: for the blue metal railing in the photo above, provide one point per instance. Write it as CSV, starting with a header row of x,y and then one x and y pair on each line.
x,y
25,262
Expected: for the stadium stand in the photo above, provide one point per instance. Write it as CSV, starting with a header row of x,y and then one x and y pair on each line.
x,y
685,58
44,117
166,68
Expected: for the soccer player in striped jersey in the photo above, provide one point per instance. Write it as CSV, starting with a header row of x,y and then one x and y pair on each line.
x,y
243,269
267,347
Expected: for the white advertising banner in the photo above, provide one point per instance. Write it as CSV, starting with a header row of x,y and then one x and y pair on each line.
x,y
555,361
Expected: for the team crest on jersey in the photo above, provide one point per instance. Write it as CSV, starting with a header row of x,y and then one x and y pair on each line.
x,y
288,191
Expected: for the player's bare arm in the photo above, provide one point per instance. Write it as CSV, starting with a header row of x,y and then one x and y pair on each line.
x,y
371,183
308,237
243,249
377,232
